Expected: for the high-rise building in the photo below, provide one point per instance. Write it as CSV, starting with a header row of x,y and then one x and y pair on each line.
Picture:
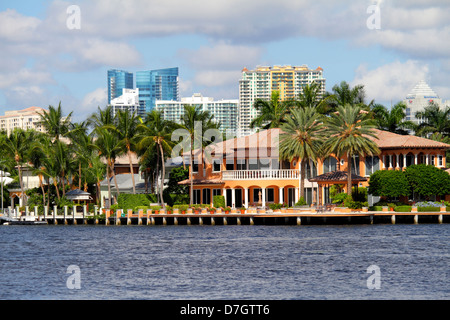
x,y
419,98
161,84
129,100
118,80
259,84
224,111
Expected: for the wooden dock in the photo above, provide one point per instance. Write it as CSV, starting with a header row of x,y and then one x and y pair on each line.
x,y
250,217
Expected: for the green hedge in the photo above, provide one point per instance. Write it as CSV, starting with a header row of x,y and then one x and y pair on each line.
x,y
403,209
428,209
376,208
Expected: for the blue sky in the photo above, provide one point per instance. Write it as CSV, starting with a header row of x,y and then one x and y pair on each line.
x,y
43,62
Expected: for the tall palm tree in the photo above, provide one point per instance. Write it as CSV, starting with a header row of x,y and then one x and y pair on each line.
x,y
311,97
102,118
435,120
97,170
392,120
343,94
127,123
195,122
109,148
270,113
54,123
156,133
350,129
16,144
38,152
302,136
64,158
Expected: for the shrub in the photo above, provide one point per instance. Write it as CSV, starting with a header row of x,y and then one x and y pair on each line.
x,y
131,201
341,198
181,207
136,209
275,206
389,183
428,209
301,202
355,204
219,201
403,209
428,180
376,208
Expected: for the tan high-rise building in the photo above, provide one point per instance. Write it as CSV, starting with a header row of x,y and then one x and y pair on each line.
x,y
28,118
259,84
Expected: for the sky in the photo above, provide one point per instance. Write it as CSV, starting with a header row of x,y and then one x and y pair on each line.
x,y
57,51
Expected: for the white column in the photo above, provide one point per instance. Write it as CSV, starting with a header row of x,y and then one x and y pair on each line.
x,y
280,194
224,193
427,157
404,161
415,159
390,161
246,197
233,197
297,196
263,190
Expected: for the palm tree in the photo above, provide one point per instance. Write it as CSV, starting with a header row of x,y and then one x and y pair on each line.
x,y
97,170
103,118
195,122
311,97
270,113
392,120
38,152
54,123
156,133
64,160
302,136
435,120
127,123
82,146
109,148
342,94
16,144
350,129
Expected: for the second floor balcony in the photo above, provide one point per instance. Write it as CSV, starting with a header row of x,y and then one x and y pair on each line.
x,y
269,174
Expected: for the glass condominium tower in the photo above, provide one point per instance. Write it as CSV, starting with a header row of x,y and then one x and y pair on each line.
x,y
118,80
161,84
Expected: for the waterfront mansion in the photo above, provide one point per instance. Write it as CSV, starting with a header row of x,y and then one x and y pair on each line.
x,y
247,171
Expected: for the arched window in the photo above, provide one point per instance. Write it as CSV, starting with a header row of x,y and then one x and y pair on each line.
x,y
329,164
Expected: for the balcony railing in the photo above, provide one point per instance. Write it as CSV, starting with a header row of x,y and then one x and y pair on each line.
x,y
282,174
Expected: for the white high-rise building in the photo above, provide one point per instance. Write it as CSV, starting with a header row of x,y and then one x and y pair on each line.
x,y
129,100
260,82
224,111
419,98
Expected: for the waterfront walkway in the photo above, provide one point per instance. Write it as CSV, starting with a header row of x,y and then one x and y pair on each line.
x,y
249,217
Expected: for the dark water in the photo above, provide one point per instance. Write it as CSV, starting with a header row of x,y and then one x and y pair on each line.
x,y
225,262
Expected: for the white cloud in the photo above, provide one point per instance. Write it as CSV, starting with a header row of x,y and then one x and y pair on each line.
x,y
390,82
15,27
94,99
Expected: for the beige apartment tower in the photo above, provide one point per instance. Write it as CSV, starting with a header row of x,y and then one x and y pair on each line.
x,y
260,82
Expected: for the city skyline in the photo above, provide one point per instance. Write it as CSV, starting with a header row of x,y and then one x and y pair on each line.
x,y
48,55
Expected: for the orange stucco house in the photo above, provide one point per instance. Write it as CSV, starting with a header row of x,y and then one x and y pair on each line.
x,y
247,171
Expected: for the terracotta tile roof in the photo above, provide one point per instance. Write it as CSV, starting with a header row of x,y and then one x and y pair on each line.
x,y
201,181
269,139
336,176
391,140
